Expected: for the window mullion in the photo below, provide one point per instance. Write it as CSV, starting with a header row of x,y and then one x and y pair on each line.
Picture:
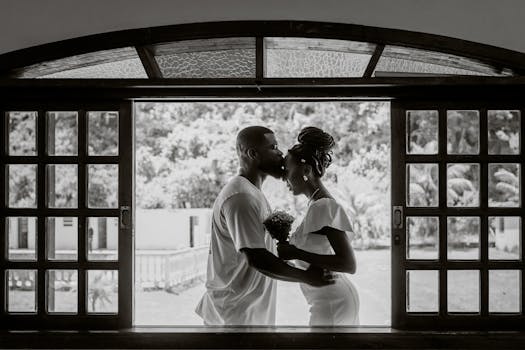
x,y
41,206
82,189
484,229
442,160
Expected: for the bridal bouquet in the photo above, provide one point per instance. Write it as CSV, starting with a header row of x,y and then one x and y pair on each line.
x,y
278,225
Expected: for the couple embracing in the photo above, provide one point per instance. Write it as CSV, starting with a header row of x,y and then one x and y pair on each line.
x,y
244,263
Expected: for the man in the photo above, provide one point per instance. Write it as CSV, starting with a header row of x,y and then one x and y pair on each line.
x,y
242,267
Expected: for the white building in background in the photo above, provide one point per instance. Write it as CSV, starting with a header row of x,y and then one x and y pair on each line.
x,y
155,229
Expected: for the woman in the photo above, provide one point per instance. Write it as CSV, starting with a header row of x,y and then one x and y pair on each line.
x,y
323,237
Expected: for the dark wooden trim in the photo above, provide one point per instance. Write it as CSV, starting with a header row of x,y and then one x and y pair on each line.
x,y
398,240
260,58
125,198
257,338
446,89
498,57
218,83
3,204
148,61
373,61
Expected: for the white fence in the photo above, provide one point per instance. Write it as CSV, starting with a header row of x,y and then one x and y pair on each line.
x,y
169,269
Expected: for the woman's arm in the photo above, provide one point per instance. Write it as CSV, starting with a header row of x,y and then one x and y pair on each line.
x,y
343,260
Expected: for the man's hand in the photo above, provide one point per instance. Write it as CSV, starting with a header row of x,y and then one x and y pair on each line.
x,y
319,277
287,251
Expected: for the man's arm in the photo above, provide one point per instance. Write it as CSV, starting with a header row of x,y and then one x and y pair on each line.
x,y
271,266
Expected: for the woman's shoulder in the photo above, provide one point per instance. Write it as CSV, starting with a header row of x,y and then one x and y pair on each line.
x,y
325,203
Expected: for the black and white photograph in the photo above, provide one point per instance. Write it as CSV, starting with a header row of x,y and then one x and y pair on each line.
x,y
262,174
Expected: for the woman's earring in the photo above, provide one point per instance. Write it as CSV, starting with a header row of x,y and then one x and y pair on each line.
x,y
305,178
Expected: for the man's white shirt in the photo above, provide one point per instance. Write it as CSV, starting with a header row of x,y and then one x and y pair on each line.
x,y
237,294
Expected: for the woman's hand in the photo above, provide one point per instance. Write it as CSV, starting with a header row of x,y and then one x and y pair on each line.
x,y
287,251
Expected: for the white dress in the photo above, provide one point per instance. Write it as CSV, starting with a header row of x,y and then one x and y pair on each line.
x,y
336,304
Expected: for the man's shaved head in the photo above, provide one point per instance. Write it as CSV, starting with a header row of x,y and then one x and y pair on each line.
x,y
251,137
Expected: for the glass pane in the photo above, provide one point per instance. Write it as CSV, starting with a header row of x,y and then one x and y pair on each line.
x,y
22,185
103,185
62,238
21,238
505,291
103,133
22,133
462,185
463,234
422,291
463,132
62,290
422,185
102,238
505,237
504,185
319,58
207,58
406,61
62,133
62,185
463,291
422,237
102,291
422,132
106,64
504,132
22,291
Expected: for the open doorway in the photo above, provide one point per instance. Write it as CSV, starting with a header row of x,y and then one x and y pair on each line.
x,y
185,153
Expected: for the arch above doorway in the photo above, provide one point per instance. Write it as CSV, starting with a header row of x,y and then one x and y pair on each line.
x,y
259,50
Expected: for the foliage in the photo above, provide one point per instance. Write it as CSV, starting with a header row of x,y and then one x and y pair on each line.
x,y
186,153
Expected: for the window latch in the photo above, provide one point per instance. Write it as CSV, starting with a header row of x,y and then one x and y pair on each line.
x,y
125,217
397,215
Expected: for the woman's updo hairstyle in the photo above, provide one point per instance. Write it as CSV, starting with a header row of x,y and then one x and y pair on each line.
x,y
314,148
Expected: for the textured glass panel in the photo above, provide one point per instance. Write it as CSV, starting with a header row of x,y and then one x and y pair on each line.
x,y
505,291
62,238
102,235
422,291
316,58
106,64
463,291
62,133
409,61
422,132
103,185
207,58
463,234
422,237
22,185
505,237
22,133
21,238
62,185
504,132
21,291
103,133
462,185
62,290
463,132
102,291
504,185
423,185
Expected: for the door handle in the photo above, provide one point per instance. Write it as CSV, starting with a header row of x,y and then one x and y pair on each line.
x,y
397,215
397,218
125,217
